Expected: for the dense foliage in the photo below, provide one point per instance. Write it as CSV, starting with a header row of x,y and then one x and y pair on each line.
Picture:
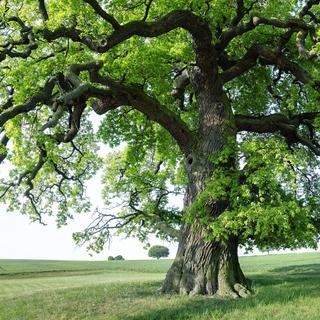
x,y
158,252
62,60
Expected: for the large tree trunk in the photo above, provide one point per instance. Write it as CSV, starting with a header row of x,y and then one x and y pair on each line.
x,y
207,267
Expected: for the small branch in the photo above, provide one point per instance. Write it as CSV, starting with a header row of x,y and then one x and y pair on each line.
x,y
54,119
51,55
240,13
309,4
103,14
158,167
148,6
3,143
28,176
26,39
293,24
43,10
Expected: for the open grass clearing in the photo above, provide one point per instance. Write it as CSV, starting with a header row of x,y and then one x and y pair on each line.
x,y
286,287
16,287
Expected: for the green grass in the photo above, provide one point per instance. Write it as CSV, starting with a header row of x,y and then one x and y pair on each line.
x,y
28,266
286,287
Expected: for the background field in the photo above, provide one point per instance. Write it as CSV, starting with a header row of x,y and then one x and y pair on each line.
x,y
285,287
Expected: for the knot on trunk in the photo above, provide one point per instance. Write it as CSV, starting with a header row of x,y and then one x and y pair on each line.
x,y
189,163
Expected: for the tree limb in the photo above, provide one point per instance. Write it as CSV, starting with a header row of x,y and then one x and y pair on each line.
x,y
3,143
185,19
148,6
181,82
266,56
43,10
43,96
103,14
240,13
138,99
26,39
293,24
286,126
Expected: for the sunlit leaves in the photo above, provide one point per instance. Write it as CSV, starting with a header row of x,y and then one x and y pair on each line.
x,y
271,200
270,187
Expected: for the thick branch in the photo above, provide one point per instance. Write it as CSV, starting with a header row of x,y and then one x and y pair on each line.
x,y
110,94
187,20
266,56
182,80
43,96
293,24
75,119
72,99
301,45
287,127
241,11
241,66
137,98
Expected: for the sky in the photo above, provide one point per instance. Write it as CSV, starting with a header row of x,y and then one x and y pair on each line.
x,y
22,239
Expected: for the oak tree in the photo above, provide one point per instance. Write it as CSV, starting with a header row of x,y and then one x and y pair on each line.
x,y
217,99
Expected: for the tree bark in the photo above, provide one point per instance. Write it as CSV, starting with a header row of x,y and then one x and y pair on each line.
x,y
207,267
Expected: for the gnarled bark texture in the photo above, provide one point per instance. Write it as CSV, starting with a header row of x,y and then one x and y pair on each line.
x,y
207,267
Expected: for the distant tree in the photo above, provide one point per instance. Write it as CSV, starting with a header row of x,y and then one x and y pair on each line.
x,y
111,258
119,257
158,252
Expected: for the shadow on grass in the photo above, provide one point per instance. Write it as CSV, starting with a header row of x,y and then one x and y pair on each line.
x,y
293,274
278,286
309,270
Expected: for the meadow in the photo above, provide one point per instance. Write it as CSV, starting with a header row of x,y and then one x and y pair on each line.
x,y
285,287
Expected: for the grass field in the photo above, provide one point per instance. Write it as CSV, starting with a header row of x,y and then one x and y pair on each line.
x,y
285,287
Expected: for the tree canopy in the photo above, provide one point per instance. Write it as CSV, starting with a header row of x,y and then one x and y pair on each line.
x,y
225,92
158,252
